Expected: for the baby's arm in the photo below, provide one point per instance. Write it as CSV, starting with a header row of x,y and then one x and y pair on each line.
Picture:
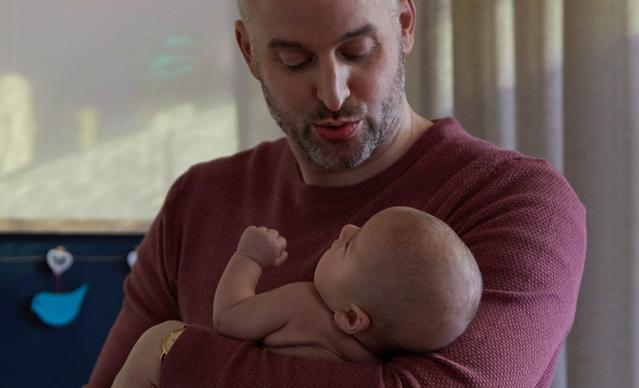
x,y
237,311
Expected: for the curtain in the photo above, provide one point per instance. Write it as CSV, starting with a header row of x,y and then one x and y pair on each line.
x,y
558,80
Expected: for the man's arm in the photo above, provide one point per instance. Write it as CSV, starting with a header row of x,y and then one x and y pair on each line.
x,y
529,239
150,283
237,311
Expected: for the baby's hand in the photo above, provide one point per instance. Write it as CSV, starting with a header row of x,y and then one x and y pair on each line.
x,y
265,246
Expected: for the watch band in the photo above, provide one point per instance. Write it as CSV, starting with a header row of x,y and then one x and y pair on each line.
x,y
168,341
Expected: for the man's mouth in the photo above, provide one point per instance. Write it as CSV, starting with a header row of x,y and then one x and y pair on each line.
x,y
337,131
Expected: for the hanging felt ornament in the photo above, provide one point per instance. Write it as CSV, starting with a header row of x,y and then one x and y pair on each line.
x,y
58,308
132,257
59,261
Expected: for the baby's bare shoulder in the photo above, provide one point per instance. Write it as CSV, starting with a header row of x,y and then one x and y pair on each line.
x,y
302,295
310,322
311,325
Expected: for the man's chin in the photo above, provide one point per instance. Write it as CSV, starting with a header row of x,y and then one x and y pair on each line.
x,y
329,156
336,163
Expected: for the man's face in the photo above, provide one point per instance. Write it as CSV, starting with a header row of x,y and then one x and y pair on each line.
x,y
332,73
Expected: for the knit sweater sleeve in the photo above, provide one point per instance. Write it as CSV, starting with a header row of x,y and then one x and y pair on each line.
x,y
150,298
526,228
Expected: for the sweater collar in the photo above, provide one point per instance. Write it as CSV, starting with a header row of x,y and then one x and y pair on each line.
x,y
444,127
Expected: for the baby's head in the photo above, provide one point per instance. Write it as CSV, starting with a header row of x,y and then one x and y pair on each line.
x,y
403,281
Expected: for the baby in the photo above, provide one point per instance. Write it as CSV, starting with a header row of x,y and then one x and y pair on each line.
x,y
403,282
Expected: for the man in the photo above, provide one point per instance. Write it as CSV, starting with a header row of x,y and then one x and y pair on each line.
x,y
332,72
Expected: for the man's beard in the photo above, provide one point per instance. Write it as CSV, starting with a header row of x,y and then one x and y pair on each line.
x,y
374,133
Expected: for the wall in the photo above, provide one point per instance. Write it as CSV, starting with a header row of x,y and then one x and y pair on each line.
x,y
36,355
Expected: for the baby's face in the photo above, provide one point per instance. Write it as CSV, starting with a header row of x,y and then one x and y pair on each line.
x,y
335,267
344,260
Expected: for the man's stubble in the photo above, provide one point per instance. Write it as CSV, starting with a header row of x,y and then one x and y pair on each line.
x,y
347,155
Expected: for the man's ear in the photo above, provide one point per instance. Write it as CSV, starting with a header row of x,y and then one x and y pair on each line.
x,y
407,16
244,42
352,320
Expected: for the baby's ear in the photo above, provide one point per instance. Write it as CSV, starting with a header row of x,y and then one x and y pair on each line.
x,y
352,320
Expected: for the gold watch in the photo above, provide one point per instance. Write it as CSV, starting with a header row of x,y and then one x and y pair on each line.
x,y
169,340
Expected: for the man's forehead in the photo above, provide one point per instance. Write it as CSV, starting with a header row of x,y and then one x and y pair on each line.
x,y
284,19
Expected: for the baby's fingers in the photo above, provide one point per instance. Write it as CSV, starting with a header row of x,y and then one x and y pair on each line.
x,y
282,241
282,258
272,232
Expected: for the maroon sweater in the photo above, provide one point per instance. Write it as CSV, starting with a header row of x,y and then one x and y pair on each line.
x,y
520,218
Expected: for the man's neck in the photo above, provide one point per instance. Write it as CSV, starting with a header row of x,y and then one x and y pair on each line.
x,y
411,127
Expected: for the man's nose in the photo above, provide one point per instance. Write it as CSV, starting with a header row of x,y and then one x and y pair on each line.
x,y
332,85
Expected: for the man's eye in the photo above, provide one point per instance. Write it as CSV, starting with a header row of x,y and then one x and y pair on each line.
x,y
354,56
297,66
295,61
357,50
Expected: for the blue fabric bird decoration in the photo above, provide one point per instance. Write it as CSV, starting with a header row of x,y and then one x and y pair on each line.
x,y
58,309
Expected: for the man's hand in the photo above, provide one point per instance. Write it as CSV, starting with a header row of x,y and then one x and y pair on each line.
x,y
265,246
142,367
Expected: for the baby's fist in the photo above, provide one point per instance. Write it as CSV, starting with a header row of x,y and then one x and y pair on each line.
x,y
264,245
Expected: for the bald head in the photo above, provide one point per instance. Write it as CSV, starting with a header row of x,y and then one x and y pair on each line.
x,y
244,8
419,281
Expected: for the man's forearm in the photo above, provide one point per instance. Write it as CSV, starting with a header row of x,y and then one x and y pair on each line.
x,y
142,367
202,358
